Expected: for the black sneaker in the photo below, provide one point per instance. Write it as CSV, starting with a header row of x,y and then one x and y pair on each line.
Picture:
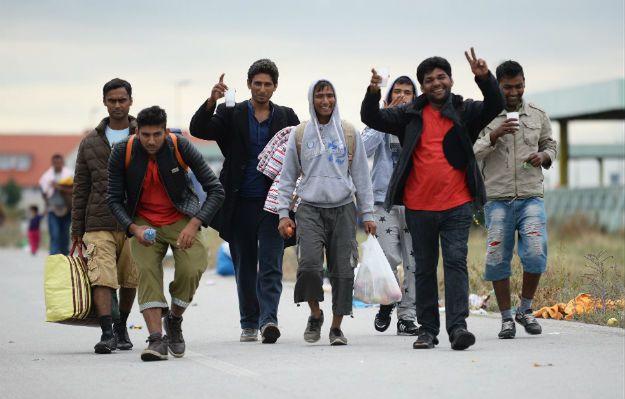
x,y
269,333
407,327
174,338
425,340
508,329
461,339
528,321
156,350
313,329
383,318
120,331
337,337
106,345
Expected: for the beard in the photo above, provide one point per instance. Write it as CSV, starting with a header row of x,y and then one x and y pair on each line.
x,y
438,101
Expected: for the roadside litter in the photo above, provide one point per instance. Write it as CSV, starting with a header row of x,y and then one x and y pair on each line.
x,y
583,303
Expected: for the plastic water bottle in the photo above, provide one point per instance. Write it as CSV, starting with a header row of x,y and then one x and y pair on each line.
x,y
149,234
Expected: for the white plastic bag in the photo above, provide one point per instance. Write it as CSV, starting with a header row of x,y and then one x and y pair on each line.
x,y
375,281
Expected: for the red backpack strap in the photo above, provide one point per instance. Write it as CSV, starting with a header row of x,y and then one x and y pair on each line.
x,y
181,161
131,140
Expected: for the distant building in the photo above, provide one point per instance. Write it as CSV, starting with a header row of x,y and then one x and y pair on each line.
x,y
25,157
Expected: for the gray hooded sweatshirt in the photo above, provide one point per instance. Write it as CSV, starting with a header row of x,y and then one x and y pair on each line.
x,y
327,179
385,149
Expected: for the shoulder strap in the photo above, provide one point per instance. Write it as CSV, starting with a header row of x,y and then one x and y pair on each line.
x,y
350,138
181,161
174,139
131,140
299,137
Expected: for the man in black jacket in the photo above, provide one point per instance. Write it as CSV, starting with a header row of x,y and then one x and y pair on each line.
x,y
437,179
149,187
242,131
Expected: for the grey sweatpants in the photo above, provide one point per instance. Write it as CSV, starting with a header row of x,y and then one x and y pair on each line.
x,y
395,240
335,230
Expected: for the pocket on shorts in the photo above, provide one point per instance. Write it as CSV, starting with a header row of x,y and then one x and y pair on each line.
x,y
354,256
92,266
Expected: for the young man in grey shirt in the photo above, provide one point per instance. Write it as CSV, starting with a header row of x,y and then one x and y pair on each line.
x,y
326,217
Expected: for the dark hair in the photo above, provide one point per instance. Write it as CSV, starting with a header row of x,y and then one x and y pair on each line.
x,y
509,69
263,65
320,85
153,116
57,156
430,64
34,208
116,84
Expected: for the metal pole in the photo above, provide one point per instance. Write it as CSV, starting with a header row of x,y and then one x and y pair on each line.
x,y
564,153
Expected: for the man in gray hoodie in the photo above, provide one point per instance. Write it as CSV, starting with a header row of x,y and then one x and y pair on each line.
x,y
394,236
330,157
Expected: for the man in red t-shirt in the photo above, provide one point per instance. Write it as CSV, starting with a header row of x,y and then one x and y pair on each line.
x,y
150,188
437,180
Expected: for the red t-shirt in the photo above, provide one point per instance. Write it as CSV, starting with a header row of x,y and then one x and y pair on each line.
x,y
154,204
433,184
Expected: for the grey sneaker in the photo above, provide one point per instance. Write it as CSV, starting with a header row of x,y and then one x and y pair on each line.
x,y
106,345
528,321
269,333
174,338
508,329
407,327
337,337
313,329
249,335
156,350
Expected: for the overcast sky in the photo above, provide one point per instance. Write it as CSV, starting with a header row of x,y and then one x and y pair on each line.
x,y
56,55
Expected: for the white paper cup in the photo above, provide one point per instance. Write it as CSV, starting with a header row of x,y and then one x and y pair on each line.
x,y
383,72
512,115
229,97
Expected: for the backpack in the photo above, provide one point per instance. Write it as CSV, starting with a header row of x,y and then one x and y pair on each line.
x,y
173,137
348,131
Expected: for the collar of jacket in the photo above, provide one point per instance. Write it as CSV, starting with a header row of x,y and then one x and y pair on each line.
x,y
101,128
448,109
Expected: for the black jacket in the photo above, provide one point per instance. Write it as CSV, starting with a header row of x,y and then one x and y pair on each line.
x,y
229,127
406,122
125,184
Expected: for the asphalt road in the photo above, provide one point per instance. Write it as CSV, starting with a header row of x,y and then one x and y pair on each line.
x,y
45,360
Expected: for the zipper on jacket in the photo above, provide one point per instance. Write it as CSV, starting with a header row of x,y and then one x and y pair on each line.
x,y
166,192
514,161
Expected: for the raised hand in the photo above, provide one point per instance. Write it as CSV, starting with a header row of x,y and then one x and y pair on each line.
x,y
218,90
376,79
478,65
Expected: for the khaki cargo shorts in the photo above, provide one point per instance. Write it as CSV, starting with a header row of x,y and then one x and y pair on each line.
x,y
109,260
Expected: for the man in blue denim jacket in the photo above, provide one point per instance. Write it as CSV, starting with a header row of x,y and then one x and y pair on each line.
x,y
512,150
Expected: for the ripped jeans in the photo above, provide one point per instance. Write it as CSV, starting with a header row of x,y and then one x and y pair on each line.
x,y
504,218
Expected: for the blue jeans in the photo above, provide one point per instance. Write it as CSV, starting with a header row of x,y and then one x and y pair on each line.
x,y
451,227
503,220
257,250
58,230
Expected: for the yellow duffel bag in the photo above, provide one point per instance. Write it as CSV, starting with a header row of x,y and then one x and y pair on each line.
x,y
67,288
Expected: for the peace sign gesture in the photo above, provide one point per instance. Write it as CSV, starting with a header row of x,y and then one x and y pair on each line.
x,y
478,65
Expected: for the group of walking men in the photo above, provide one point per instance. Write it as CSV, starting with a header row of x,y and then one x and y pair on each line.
x,y
432,153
